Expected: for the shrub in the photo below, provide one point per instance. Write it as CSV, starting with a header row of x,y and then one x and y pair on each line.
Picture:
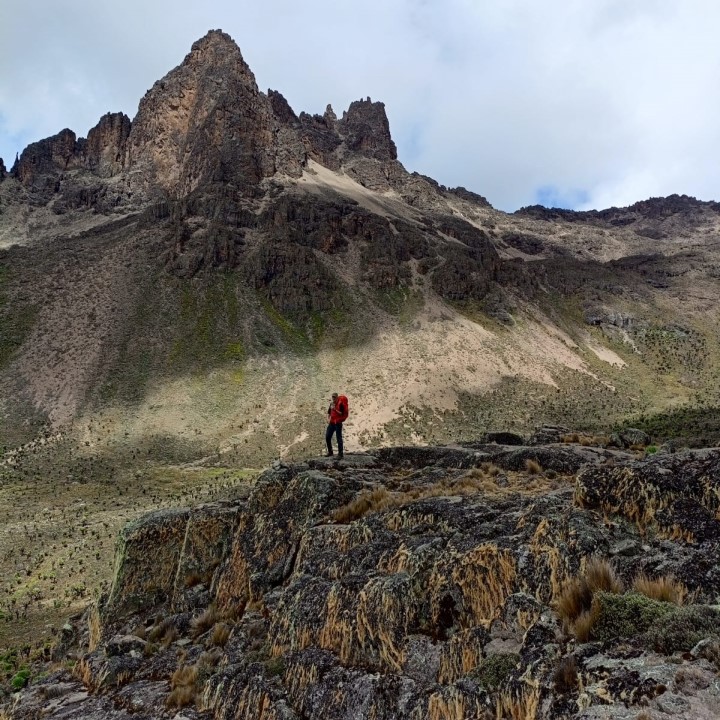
x,y
684,628
20,679
494,670
625,616
275,666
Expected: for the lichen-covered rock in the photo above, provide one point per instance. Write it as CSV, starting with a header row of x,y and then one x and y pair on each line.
x,y
679,493
385,587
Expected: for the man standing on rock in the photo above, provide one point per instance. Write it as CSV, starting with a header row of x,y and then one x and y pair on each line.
x,y
337,414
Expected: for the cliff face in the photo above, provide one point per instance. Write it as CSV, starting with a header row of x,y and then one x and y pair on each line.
x,y
415,583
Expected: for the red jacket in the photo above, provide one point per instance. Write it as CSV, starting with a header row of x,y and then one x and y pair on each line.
x,y
338,412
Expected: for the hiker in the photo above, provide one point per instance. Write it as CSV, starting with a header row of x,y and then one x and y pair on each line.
x,y
337,414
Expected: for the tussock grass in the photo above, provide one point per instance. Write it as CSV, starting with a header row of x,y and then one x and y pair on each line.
x,y
220,635
162,629
665,588
202,623
533,467
490,469
192,579
184,687
565,677
485,480
575,603
578,604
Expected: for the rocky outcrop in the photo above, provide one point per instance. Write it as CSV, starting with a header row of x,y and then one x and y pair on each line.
x,y
41,164
366,130
106,147
410,583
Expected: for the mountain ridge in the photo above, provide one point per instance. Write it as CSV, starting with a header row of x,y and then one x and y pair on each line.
x,y
300,244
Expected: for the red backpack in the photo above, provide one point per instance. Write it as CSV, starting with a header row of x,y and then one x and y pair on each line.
x,y
342,399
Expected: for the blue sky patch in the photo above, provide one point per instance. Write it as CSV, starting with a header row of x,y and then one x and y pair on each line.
x,y
551,196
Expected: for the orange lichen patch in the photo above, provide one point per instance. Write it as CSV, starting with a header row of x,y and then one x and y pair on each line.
x,y
402,560
234,583
299,677
387,607
486,577
522,706
547,553
338,632
276,554
527,618
460,655
450,704
677,533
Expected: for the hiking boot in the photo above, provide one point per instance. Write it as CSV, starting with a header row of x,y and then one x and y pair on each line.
x,y
329,455
340,456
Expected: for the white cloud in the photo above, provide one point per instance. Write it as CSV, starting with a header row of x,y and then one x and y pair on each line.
x,y
613,100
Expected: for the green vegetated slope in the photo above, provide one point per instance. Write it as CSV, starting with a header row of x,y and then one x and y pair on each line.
x,y
222,361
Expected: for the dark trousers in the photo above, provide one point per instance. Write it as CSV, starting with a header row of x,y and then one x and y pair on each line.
x,y
337,429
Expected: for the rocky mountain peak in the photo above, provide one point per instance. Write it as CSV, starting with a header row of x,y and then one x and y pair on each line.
x,y
204,121
215,51
367,130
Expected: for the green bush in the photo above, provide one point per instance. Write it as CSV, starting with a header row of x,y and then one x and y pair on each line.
x,y
625,616
20,679
684,628
492,672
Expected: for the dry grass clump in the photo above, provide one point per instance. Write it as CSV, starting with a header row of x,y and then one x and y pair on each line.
x,y
184,687
484,479
202,623
192,579
220,635
575,603
140,632
665,588
580,613
164,632
584,440
361,505
490,469
565,677
533,467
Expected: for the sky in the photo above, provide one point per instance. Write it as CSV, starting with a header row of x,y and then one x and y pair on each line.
x,y
568,103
